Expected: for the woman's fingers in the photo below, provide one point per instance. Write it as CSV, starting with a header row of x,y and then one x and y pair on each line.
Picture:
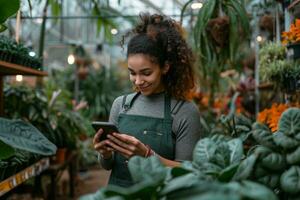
x,y
125,152
97,136
121,142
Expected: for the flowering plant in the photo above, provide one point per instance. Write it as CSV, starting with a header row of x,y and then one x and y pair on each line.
x,y
272,115
293,35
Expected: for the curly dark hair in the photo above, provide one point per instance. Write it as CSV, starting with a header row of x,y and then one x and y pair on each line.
x,y
162,39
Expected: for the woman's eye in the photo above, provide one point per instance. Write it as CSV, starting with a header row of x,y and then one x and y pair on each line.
x,y
147,73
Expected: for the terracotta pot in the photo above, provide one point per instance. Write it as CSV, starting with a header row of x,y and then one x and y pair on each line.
x,y
60,155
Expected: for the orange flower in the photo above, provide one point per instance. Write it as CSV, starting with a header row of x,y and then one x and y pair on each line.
x,y
272,115
293,35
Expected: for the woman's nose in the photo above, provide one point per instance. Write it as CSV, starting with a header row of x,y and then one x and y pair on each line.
x,y
139,80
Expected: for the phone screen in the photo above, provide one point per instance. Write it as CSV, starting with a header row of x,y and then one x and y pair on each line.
x,y
108,128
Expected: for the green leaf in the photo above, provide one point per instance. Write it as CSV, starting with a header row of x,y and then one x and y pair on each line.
x,y
179,171
270,180
6,151
142,169
227,173
263,135
245,168
8,8
22,135
293,157
180,183
254,191
142,190
289,122
236,150
274,161
284,141
290,180
204,151
260,171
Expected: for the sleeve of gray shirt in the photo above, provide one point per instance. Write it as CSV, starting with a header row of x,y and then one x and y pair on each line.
x,y
187,126
113,117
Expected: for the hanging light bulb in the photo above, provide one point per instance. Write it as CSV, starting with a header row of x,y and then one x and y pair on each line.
x,y
195,6
19,78
114,31
259,38
71,59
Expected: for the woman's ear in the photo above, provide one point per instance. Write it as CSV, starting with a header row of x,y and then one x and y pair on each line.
x,y
166,68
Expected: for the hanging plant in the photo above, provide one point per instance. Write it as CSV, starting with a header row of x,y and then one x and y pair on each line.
x,y
221,28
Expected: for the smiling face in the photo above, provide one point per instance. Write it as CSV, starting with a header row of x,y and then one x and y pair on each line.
x,y
145,74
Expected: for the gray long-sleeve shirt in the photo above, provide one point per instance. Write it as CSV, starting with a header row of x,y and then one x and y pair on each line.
x,y
185,127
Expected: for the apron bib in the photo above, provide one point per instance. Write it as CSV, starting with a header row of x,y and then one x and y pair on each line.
x,y
155,132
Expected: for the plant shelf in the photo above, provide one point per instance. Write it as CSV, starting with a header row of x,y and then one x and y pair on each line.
x,y
7,68
22,176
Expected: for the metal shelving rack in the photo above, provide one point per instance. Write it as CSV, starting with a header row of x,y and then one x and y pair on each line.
x,y
35,169
20,177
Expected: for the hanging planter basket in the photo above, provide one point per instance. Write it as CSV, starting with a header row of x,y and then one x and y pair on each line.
x,y
293,51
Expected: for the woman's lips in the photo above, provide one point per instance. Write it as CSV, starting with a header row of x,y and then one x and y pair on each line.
x,y
143,88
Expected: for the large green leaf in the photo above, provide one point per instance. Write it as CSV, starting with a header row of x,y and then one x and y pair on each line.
x,y
204,151
22,135
293,157
290,180
274,161
227,173
251,190
246,167
289,122
180,183
284,141
6,151
236,150
8,8
260,171
151,168
263,135
270,180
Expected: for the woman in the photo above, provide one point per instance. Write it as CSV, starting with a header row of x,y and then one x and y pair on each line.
x,y
157,119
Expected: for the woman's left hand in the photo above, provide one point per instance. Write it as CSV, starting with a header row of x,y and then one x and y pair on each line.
x,y
127,145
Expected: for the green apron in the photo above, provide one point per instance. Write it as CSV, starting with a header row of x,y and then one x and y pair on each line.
x,y
155,132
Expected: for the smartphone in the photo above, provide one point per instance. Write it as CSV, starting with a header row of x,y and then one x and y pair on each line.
x,y
108,128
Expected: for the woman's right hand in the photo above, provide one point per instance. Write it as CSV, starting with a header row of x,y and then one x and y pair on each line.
x,y
102,146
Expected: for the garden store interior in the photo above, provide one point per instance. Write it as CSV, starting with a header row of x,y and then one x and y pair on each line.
x,y
62,66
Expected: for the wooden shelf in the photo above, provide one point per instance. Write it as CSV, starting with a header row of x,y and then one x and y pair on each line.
x,y
23,175
7,68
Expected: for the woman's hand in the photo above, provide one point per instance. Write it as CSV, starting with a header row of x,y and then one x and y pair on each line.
x,y
102,147
127,145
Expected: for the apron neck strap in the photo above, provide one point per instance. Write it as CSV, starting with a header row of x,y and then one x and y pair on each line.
x,y
129,99
167,107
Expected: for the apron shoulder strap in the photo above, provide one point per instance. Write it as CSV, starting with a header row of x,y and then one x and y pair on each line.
x,y
128,100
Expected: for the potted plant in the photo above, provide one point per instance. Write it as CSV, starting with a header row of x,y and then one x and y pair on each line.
x,y
275,68
291,38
